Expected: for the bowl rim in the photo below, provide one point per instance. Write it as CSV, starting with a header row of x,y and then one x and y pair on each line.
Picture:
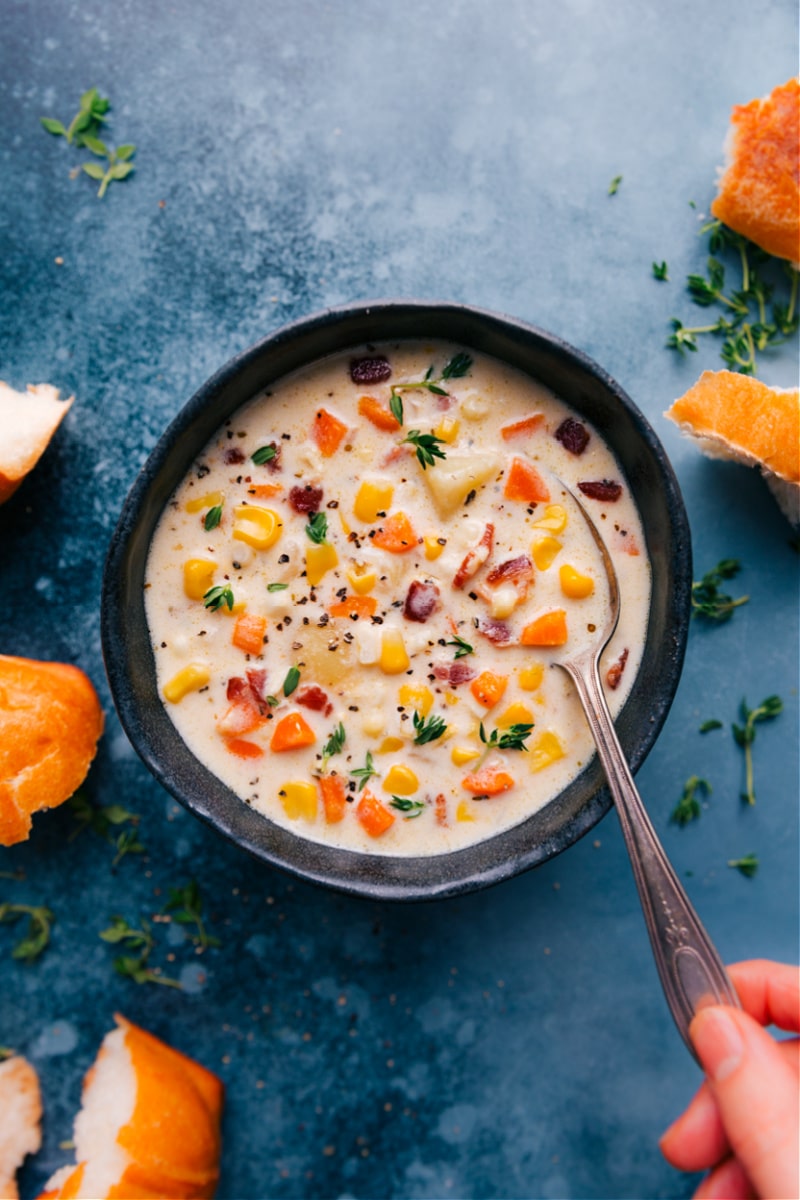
x,y
484,863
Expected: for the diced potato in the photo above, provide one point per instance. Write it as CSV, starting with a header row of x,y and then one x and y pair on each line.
x,y
544,551
451,481
198,576
574,584
515,714
554,519
504,600
461,755
210,500
258,527
416,696
299,799
394,657
474,407
400,781
373,724
530,678
189,679
546,749
320,560
371,499
433,546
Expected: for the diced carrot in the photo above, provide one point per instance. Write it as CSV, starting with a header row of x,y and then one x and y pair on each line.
x,y
328,432
488,688
374,816
292,732
248,633
396,535
528,425
380,416
489,781
243,749
334,797
548,630
361,606
263,491
524,483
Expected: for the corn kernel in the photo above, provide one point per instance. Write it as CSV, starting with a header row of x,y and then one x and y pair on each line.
x,y
257,527
554,519
400,781
210,500
461,755
464,811
451,698
371,499
573,584
188,679
343,522
416,696
530,678
361,579
198,575
299,800
320,560
447,429
390,744
547,749
544,551
433,547
393,657
515,714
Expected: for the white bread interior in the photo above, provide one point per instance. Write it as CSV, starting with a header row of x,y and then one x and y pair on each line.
x,y
20,1117
27,422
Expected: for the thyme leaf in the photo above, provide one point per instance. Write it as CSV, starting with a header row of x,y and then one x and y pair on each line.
x,y
263,454
365,773
688,807
428,447
334,745
462,648
428,729
708,600
744,736
37,932
317,528
411,808
747,865
185,905
213,518
135,966
216,596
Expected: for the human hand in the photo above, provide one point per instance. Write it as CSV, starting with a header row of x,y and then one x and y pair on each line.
x,y
743,1122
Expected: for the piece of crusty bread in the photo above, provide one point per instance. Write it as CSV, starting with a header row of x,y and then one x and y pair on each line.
x,y
28,420
148,1125
737,417
50,723
20,1116
759,191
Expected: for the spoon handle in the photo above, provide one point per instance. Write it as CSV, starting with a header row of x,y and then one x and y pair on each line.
x,y
691,971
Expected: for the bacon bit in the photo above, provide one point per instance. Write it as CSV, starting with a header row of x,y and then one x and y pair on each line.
x,y
573,436
273,464
444,402
306,499
258,684
519,428
246,709
455,673
607,490
422,600
314,698
441,810
496,631
243,749
476,557
394,454
516,571
370,370
233,456
614,672
628,544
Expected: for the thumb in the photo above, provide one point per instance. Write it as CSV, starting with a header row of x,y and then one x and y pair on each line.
x,y
757,1096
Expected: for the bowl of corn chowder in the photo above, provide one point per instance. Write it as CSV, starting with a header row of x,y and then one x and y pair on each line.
x,y
337,589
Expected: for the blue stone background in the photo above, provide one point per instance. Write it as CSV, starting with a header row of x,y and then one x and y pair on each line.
x,y
291,156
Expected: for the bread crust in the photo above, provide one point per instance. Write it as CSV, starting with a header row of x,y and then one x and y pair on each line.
x,y
20,1117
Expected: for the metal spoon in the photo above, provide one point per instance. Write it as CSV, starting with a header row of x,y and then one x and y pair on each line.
x,y
691,971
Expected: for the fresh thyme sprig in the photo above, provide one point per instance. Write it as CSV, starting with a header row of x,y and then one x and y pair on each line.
x,y
135,966
514,738
185,905
118,163
428,729
457,367
462,648
748,327
101,819
744,736
660,272
428,447
365,773
86,122
410,808
216,596
212,518
688,807
37,933
613,187
707,599
83,131
747,865
317,528
334,745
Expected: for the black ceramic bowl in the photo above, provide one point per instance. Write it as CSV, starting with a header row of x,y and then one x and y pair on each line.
x,y
129,657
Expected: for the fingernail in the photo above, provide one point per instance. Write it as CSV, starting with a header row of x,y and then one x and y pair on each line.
x,y
717,1041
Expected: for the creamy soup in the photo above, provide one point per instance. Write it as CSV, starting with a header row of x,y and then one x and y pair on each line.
x,y
356,595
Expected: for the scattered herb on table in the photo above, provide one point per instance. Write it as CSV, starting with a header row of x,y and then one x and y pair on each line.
x,y
613,187
317,528
87,121
744,735
409,808
216,596
185,905
708,600
291,681
118,165
747,865
102,819
126,842
83,132
428,729
135,966
6,1052
264,454
365,773
708,726
37,933
688,807
213,518
746,326
334,745
462,648
660,272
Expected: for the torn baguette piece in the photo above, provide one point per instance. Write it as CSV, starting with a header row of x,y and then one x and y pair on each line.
x,y
20,1117
50,723
28,421
148,1125
736,417
759,190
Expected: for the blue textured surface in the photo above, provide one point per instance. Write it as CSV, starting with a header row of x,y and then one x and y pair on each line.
x,y
513,1043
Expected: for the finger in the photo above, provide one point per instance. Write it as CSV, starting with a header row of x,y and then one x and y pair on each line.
x,y
756,1091
697,1139
728,1181
769,991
